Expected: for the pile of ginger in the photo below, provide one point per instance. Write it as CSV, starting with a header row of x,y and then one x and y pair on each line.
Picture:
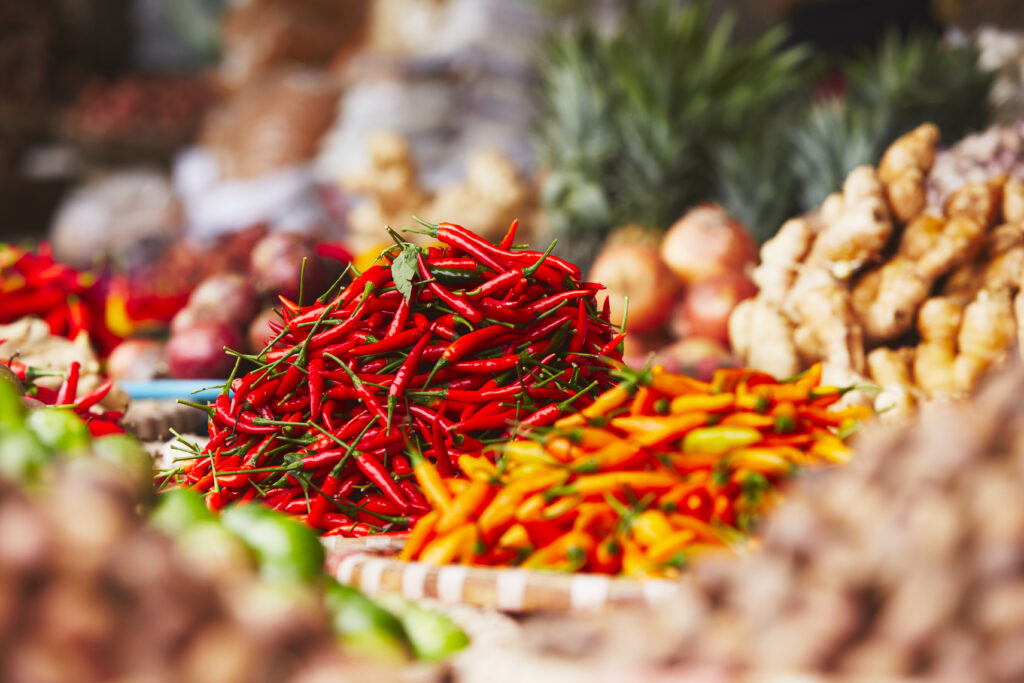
x,y
884,292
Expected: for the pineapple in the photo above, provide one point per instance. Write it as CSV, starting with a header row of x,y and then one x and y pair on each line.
x,y
630,119
804,153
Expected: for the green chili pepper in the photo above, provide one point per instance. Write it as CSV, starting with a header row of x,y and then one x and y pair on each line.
x,y
720,439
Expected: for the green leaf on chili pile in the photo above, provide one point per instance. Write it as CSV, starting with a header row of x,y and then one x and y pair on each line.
x,y
404,269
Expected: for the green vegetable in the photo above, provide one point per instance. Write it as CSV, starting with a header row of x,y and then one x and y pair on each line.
x,y
8,377
433,635
362,625
178,509
404,269
211,546
126,452
59,429
286,549
22,455
12,410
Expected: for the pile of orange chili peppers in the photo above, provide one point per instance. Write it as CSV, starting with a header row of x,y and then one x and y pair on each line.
x,y
656,469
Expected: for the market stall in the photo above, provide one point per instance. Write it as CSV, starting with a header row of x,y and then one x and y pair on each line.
x,y
487,341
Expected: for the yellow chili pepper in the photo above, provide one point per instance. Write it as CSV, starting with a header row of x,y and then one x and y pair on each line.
x,y
720,439
606,402
650,526
477,467
449,547
561,507
767,461
502,509
514,538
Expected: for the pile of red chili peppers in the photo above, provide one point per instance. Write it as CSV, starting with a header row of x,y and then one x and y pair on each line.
x,y
68,300
436,352
99,422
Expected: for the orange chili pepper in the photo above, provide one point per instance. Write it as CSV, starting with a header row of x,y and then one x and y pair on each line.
x,y
465,506
665,548
754,420
559,550
420,535
448,547
430,482
708,403
676,385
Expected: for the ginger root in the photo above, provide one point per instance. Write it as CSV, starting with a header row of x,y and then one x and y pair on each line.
x,y
873,283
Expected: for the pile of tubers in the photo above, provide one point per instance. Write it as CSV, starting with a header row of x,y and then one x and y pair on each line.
x,y
884,291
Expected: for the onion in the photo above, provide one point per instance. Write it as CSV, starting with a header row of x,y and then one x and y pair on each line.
x,y
276,266
259,333
198,352
705,242
637,272
705,308
136,360
227,297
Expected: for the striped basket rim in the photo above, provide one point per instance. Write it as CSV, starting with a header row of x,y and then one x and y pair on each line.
x,y
369,564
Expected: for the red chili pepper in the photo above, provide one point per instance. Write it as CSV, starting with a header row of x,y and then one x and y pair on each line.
x,y
613,345
400,319
261,394
468,343
405,373
580,336
316,386
292,376
457,263
510,237
401,465
488,366
458,303
497,286
378,474
100,427
381,505
391,343
68,390
94,396
558,299
444,459
488,422
418,504
502,312
463,239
